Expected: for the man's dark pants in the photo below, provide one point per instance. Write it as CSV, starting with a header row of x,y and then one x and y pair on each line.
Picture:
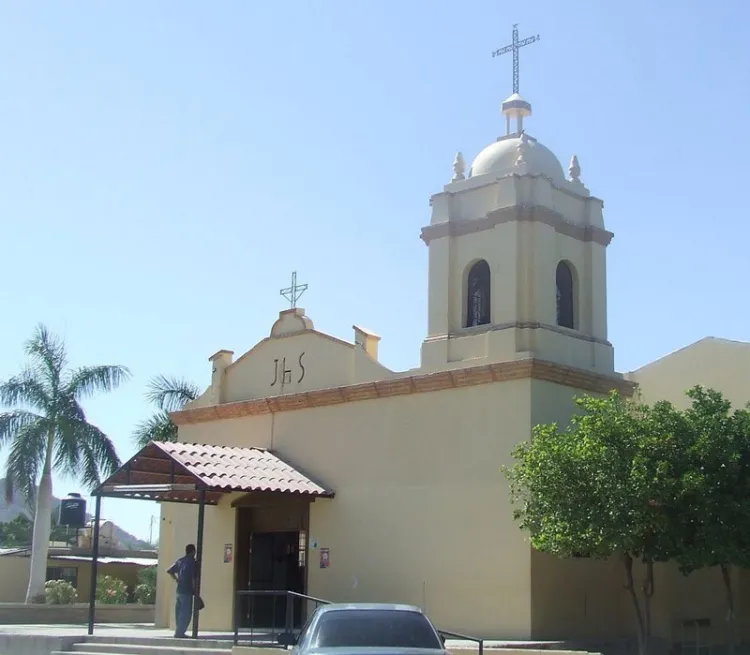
x,y
183,611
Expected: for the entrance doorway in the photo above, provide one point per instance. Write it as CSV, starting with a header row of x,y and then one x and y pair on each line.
x,y
275,565
271,556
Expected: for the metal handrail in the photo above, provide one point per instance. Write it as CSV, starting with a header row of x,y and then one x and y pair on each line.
x,y
289,598
458,635
319,601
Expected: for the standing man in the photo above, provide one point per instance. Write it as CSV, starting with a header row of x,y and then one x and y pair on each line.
x,y
183,573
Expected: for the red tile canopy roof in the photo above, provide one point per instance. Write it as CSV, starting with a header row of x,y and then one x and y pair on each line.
x,y
216,469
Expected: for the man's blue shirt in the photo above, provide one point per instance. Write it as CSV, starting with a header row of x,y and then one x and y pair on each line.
x,y
184,568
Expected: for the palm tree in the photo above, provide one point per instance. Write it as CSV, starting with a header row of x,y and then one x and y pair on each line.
x,y
168,395
48,430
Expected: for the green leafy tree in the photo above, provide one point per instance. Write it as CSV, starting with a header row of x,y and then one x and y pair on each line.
x,y
19,532
714,510
16,533
47,429
605,487
145,591
111,590
168,395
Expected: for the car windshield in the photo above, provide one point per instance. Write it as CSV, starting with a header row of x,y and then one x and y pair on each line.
x,y
374,629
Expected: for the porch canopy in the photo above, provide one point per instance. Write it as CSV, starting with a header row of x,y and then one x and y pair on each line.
x,y
198,474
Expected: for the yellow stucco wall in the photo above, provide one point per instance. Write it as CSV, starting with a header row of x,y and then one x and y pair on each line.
x,y
717,363
583,599
164,597
14,579
14,576
420,513
314,361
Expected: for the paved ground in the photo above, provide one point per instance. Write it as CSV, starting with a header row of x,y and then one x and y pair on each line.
x,y
102,630
149,631
113,630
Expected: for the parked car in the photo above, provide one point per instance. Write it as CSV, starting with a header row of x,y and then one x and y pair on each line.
x,y
372,628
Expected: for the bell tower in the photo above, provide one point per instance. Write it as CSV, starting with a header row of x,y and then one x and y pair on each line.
x,y
517,259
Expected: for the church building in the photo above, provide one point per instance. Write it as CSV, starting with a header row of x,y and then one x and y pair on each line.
x,y
326,473
379,485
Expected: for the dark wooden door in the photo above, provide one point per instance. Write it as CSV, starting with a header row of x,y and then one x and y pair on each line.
x,y
274,566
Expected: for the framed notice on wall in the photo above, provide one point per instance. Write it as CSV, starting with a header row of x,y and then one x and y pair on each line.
x,y
325,558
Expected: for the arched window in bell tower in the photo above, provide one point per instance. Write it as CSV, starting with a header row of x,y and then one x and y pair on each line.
x,y
478,295
565,296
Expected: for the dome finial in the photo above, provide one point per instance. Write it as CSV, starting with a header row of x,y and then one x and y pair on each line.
x,y
459,168
574,170
515,107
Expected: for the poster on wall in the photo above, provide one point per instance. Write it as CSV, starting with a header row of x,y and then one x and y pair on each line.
x,y
228,554
325,558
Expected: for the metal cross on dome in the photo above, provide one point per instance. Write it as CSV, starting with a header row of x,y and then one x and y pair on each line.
x,y
514,47
293,292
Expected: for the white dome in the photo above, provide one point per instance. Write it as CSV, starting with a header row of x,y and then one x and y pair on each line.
x,y
500,158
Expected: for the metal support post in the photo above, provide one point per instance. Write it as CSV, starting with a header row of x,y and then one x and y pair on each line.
x,y
94,563
199,559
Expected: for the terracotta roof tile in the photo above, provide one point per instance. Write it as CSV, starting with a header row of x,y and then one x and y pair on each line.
x,y
224,468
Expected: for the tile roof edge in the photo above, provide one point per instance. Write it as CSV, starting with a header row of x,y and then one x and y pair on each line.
x,y
209,445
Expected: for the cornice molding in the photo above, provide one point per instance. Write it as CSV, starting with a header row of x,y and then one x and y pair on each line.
x,y
519,325
520,213
402,386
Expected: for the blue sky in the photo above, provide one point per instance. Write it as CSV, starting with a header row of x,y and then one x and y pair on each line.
x,y
164,166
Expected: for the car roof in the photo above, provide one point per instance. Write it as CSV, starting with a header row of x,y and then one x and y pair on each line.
x,y
370,606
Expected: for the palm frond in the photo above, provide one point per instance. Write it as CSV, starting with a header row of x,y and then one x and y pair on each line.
x,y
171,394
88,473
69,408
86,381
26,459
97,455
13,423
49,352
26,390
67,448
157,428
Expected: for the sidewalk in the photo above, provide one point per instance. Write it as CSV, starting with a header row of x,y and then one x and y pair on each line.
x,y
143,630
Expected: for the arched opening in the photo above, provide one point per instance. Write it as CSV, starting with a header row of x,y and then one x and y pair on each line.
x,y
565,296
478,295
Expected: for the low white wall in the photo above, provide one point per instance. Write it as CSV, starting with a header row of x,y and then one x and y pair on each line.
x,y
21,614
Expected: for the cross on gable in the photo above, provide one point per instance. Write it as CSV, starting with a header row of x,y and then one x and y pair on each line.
x,y
293,292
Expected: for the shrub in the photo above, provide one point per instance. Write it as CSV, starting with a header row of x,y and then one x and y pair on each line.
x,y
145,591
59,592
111,591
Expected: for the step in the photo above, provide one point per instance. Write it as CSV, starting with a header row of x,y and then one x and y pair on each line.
x,y
136,642
142,650
173,648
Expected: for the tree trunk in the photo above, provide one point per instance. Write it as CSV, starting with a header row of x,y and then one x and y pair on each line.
x,y
726,576
42,528
627,562
648,592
